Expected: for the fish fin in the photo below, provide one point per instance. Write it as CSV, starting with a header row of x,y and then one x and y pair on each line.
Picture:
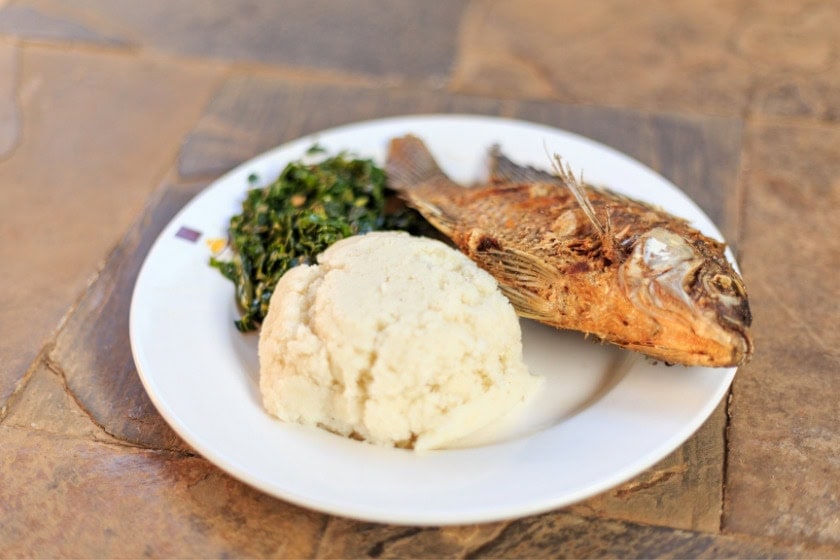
x,y
504,170
564,173
526,281
410,163
528,305
434,214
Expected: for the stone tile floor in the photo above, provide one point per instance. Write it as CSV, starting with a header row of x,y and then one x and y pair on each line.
x,y
114,113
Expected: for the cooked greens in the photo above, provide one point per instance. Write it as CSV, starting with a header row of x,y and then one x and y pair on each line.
x,y
306,209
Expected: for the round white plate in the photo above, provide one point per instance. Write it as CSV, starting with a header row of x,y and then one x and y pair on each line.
x,y
605,415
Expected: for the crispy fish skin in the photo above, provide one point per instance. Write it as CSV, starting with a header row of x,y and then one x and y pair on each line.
x,y
583,258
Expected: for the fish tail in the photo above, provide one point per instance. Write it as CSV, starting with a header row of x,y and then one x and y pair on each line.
x,y
413,172
410,163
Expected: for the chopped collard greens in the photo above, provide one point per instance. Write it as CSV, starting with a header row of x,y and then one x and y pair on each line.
x,y
306,209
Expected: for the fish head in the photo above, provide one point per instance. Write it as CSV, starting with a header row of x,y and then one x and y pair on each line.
x,y
688,286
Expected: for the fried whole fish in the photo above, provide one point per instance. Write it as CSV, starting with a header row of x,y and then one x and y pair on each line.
x,y
578,257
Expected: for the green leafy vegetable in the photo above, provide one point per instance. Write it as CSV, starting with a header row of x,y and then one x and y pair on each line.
x,y
308,208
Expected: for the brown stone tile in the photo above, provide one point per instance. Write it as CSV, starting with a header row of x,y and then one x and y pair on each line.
x,y
344,538
106,384
68,497
98,133
793,47
657,55
564,535
408,38
784,432
552,535
28,22
250,114
9,120
713,58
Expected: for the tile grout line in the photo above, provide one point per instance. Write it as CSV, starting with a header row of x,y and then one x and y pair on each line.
x,y
740,220
58,371
115,444
725,466
23,382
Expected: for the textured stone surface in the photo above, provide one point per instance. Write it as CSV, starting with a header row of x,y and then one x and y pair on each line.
x,y
9,120
98,134
793,48
784,434
721,58
570,536
71,498
250,114
30,23
553,535
344,538
411,39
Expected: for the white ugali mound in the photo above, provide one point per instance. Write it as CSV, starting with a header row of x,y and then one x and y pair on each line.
x,y
398,340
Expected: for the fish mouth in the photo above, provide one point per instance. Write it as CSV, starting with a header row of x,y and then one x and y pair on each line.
x,y
732,310
737,324
742,347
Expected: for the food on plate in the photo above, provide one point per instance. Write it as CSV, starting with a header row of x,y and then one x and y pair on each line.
x,y
311,205
579,257
394,339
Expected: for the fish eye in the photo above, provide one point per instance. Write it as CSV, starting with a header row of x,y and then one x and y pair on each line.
x,y
722,282
726,284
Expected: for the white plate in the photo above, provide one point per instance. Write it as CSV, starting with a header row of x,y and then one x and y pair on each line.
x,y
605,416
